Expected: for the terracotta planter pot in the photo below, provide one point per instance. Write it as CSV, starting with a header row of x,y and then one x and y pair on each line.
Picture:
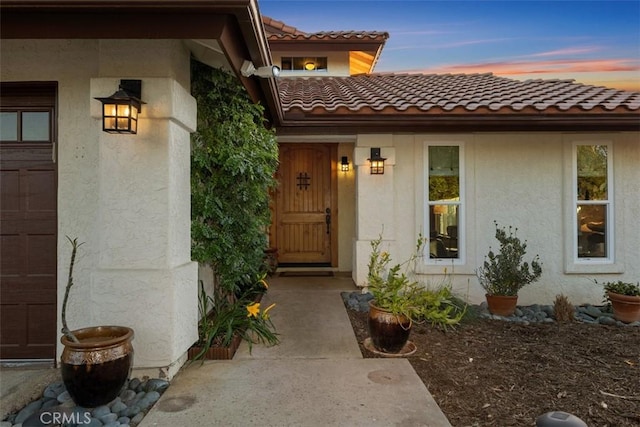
x,y
95,369
502,305
389,332
215,352
626,308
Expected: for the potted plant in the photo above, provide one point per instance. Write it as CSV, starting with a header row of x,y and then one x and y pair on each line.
x,y
504,273
399,301
625,300
226,320
96,361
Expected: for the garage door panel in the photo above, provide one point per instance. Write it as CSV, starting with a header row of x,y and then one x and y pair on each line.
x,y
40,327
41,255
40,191
11,260
10,190
14,325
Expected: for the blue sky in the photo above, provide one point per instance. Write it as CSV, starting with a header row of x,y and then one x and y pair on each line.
x,y
594,42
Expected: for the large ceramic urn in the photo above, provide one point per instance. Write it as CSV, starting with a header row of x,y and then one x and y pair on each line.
x,y
95,369
389,332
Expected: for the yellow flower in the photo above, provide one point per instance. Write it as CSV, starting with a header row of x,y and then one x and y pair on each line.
x,y
253,309
264,313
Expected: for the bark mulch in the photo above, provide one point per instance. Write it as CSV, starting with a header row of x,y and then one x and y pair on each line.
x,y
494,373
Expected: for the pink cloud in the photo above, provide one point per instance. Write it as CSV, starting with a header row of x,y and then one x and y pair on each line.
x,y
541,67
567,51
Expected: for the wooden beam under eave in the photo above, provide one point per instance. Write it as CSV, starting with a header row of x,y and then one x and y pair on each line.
x,y
115,24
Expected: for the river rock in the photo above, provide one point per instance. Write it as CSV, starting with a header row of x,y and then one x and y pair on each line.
x,y
28,410
156,384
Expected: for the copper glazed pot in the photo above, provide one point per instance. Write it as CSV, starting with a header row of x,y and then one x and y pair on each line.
x,y
389,332
95,369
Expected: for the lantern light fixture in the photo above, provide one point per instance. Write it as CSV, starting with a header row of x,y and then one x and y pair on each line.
x,y
120,111
344,164
377,162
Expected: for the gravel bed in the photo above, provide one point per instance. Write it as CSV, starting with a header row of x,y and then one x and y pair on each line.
x,y
56,408
536,313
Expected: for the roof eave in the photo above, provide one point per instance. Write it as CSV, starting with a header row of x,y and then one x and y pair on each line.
x,y
237,25
326,44
456,124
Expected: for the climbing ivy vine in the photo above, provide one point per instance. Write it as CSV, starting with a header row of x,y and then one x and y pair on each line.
x,y
233,161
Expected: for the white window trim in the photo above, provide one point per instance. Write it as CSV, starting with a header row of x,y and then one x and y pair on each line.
x,y
441,263
573,264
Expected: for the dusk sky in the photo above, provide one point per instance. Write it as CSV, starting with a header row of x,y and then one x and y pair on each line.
x,y
593,42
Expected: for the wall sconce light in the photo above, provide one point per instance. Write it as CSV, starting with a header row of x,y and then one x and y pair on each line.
x,y
266,72
377,162
120,110
344,164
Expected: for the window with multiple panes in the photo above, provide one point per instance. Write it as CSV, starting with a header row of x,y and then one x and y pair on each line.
x,y
25,126
444,201
306,63
592,199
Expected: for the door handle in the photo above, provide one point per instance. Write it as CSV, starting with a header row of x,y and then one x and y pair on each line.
x,y
327,219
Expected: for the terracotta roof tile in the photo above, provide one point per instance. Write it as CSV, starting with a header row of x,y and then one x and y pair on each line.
x,y
447,92
274,27
278,30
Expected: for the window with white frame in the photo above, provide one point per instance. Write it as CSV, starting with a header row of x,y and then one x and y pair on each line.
x,y
444,201
593,190
303,63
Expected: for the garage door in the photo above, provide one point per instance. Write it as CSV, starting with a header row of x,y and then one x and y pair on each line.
x,y
28,223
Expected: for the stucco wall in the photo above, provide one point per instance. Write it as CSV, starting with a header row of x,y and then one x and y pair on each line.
x,y
519,179
346,208
126,196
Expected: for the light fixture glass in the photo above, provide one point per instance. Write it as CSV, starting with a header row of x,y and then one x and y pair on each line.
x,y
120,111
344,164
377,162
310,66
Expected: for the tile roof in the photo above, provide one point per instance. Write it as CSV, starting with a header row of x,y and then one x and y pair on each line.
x,y
448,93
274,27
279,31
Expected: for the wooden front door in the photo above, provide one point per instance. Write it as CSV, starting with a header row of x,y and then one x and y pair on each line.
x,y
28,222
304,206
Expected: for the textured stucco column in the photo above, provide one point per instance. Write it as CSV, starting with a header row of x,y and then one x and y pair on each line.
x,y
375,201
145,278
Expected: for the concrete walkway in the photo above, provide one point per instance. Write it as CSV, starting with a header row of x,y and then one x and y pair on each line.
x,y
316,376
20,385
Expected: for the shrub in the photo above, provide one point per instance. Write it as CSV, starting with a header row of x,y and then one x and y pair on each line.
x,y
504,272
234,159
563,310
395,292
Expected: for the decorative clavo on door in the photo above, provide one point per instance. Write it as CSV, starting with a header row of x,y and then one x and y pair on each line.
x,y
327,219
303,181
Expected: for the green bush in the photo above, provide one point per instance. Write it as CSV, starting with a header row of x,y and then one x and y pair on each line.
x,y
233,162
394,291
504,272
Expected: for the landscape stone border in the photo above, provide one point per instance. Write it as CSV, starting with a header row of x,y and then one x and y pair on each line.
x,y
126,410
525,315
